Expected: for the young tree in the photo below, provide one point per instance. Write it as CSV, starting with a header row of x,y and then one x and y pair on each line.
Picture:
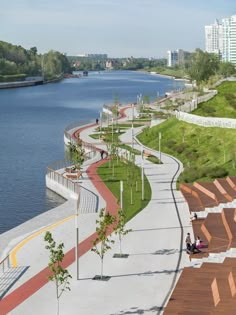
x,y
60,276
120,228
183,130
103,224
202,66
115,108
76,152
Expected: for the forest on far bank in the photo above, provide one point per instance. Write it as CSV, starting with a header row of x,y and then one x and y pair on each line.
x,y
17,62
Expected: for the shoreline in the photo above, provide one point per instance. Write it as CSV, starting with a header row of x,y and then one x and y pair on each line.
x,y
26,83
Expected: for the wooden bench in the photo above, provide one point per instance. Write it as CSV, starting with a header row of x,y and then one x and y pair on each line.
x,y
70,170
147,154
73,175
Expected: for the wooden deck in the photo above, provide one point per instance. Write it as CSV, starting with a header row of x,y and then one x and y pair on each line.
x,y
210,289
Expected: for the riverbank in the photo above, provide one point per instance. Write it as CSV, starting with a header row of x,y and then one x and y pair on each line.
x,y
18,84
26,83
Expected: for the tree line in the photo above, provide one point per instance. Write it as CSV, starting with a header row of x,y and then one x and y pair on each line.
x,y
16,62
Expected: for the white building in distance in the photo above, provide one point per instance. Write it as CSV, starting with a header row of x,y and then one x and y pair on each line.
x,y
214,38
220,38
176,57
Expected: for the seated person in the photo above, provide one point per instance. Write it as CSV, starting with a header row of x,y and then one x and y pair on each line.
x,y
194,249
199,243
194,217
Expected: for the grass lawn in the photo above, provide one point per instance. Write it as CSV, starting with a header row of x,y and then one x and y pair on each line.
x,y
222,105
128,148
108,136
206,153
130,174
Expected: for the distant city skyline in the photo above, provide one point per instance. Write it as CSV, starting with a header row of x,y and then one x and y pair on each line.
x,y
138,28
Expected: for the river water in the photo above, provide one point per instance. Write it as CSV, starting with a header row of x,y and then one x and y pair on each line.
x,y
32,122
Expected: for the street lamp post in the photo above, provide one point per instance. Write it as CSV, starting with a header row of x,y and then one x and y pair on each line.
x,y
132,126
142,175
160,146
100,124
132,135
121,194
77,238
112,130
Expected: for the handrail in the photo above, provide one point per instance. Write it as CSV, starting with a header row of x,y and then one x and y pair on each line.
x,y
53,168
3,262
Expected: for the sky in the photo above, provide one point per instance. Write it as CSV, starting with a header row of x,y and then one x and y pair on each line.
x,y
119,28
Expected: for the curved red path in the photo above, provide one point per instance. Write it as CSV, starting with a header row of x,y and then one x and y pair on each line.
x,y
12,300
22,293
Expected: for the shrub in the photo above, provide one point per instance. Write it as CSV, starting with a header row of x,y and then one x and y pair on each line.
x,y
190,175
180,148
216,171
229,96
171,143
192,155
209,109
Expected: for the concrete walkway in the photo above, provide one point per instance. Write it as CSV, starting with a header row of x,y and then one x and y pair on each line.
x,y
139,284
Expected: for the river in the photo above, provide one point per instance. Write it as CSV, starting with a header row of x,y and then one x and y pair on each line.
x,y
32,122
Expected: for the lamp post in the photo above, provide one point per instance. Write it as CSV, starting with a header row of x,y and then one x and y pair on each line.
x,y
77,238
132,135
160,146
121,194
100,124
142,175
112,130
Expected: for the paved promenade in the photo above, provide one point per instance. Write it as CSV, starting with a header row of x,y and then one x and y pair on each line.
x,y
139,284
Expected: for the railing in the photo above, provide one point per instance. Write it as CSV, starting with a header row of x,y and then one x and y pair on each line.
x,y
75,124
206,121
5,263
55,170
63,181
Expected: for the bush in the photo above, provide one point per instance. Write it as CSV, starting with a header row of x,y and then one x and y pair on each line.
x,y
192,155
209,109
12,78
180,148
190,175
215,172
229,96
171,143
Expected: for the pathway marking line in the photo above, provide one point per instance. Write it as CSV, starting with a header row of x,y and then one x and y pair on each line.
x,y
29,238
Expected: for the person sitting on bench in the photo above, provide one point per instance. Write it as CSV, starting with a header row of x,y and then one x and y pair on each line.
x,y
195,249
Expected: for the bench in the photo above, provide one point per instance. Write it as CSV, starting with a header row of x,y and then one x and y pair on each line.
x,y
147,154
71,170
73,176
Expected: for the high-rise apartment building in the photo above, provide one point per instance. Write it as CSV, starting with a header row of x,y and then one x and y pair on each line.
x,y
172,58
214,38
229,39
221,39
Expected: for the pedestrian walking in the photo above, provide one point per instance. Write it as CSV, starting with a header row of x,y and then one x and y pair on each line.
x,y
102,154
188,243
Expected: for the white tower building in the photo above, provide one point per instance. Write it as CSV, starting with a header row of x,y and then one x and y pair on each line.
x,y
221,39
214,38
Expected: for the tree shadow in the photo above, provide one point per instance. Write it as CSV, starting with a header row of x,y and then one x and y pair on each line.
x,y
146,273
136,310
